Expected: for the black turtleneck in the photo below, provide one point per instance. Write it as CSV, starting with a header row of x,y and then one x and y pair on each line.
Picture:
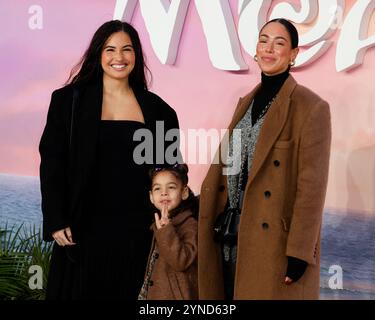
x,y
270,86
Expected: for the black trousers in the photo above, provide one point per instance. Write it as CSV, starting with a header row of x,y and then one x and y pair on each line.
x,y
229,259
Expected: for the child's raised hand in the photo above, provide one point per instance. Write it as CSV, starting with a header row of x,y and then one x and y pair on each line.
x,y
164,219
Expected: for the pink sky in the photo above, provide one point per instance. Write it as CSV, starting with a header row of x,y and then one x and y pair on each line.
x,y
37,61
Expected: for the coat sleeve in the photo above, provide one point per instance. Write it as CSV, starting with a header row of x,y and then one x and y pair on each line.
x,y
313,164
53,149
179,249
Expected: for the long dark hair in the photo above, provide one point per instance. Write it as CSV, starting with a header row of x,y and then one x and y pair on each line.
x,y
89,69
180,171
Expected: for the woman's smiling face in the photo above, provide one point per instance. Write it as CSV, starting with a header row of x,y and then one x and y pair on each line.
x,y
274,49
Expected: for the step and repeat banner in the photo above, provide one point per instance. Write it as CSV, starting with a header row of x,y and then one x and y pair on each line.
x,y
200,53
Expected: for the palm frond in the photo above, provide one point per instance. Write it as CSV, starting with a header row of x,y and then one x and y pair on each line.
x,y
20,248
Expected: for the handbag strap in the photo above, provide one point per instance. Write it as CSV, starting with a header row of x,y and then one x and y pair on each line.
x,y
74,102
243,182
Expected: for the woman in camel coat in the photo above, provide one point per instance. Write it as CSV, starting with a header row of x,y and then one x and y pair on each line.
x,y
278,244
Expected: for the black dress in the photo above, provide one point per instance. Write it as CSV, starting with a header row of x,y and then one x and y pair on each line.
x,y
111,256
117,239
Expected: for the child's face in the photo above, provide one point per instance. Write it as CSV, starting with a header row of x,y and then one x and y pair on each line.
x,y
167,190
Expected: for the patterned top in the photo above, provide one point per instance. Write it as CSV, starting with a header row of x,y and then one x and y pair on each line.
x,y
144,290
246,142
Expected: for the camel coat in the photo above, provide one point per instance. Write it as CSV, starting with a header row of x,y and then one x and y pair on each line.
x,y
283,201
174,275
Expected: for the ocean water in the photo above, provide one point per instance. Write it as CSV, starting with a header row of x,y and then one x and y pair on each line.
x,y
348,245
347,248
20,200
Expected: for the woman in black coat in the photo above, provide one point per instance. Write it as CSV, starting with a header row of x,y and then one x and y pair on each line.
x,y
104,129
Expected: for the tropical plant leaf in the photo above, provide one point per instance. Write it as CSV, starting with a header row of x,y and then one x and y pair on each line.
x,y
20,248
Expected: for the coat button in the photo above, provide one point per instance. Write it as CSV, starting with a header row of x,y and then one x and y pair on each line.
x,y
221,188
150,283
267,194
276,163
265,225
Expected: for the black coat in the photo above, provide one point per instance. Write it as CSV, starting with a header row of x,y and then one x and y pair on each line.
x,y
66,166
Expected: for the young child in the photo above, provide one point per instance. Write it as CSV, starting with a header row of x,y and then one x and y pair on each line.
x,y
171,272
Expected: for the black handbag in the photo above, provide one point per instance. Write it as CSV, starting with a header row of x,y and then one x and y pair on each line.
x,y
226,226
227,222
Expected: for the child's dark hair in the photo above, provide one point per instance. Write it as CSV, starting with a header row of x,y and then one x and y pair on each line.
x,y
180,171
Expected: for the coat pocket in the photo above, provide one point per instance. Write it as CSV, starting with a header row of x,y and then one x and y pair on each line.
x,y
283,144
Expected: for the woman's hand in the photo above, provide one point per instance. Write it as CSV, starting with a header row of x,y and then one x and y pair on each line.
x,y
164,220
295,270
63,237
288,281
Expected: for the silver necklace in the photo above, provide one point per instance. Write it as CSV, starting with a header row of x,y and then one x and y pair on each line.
x,y
265,109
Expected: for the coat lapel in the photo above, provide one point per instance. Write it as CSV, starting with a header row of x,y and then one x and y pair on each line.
x,y
240,111
242,108
273,123
90,108
86,119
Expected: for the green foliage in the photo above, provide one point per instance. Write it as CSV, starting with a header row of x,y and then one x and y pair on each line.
x,y
21,248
